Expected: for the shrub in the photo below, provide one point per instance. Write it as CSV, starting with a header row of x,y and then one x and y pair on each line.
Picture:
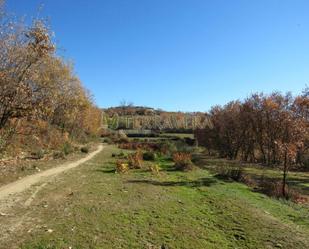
x,y
149,156
183,161
135,160
84,149
121,167
155,169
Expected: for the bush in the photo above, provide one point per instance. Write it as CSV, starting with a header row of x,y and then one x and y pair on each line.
x,y
149,156
121,167
183,161
135,160
155,169
84,149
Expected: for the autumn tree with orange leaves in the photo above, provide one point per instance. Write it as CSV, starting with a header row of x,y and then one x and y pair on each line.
x,y
37,85
269,129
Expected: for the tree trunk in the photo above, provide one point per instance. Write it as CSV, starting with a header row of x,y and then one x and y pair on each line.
x,y
285,169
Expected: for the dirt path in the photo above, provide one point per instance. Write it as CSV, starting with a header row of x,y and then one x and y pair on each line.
x,y
28,181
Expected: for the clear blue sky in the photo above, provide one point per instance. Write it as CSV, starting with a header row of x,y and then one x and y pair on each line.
x,y
181,54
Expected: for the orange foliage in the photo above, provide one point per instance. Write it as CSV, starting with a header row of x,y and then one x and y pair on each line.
x,y
135,160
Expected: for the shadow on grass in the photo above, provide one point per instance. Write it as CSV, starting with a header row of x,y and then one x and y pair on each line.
x,y
300,184
197,183
106,171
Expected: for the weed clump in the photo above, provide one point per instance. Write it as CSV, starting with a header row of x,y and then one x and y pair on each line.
x,y
135,160
154,169
183,161
121,167
67,148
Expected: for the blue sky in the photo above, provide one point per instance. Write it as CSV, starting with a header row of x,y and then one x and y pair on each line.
x,y
180,54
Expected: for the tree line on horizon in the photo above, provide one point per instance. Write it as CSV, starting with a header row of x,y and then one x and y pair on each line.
x,y
39,91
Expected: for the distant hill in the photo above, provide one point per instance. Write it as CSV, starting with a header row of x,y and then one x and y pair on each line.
x,y
141,117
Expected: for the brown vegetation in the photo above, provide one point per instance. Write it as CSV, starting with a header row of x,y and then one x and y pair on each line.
x,y
183,161
135,160
43,104
139,145
270,129
121,167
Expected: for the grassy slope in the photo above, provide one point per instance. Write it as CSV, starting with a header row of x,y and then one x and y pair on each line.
x,y
179,210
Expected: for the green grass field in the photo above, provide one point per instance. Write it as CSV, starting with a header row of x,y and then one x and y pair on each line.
x,y
92,207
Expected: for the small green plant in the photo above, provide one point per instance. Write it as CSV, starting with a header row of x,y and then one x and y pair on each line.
x,y
67,148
